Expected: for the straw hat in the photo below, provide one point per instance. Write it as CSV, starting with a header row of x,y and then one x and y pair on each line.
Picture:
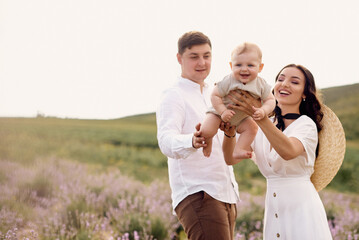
x,y
331,149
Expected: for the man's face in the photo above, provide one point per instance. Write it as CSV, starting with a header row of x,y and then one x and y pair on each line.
x,y
196,62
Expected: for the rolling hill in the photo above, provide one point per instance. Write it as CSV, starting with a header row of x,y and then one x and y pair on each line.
x,y
343,100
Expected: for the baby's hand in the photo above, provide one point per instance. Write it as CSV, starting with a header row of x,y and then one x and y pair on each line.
x,y
227,115
258,114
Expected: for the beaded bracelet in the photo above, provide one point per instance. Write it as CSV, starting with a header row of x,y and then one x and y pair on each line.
x,y
229,136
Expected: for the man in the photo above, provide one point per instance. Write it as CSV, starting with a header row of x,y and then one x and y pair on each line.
x,y
204,190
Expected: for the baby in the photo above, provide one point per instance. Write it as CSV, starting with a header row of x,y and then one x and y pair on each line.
x,y
246,63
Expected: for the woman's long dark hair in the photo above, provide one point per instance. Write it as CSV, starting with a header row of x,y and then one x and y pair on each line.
x,y
311,106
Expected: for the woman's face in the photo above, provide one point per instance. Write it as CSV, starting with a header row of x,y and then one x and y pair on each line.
x,y
289,89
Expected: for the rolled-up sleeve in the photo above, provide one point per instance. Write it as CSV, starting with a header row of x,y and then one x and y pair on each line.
x,y
170,117
306,132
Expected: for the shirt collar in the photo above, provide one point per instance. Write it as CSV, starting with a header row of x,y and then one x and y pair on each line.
x,y
191,83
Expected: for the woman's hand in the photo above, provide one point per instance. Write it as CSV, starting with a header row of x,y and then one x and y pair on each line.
x,y
244,102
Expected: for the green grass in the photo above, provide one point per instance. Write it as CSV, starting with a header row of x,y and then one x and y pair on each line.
x,y
249,178
129,143
347,178
343,101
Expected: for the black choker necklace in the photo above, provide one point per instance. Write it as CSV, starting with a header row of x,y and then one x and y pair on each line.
x,y
291,116
280,124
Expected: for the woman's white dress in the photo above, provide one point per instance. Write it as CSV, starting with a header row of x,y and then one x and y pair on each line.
x,y
293,208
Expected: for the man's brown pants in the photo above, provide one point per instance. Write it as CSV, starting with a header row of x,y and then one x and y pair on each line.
x,y
205,218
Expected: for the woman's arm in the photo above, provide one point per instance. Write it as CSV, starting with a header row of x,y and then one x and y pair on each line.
x,y
229,142
287,147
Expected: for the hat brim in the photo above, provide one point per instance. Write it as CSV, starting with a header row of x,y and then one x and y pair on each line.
x,y
331,149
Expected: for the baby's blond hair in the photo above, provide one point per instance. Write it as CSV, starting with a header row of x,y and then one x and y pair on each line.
x,y
246,47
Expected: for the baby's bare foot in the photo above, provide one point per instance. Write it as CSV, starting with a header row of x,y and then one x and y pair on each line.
x,y
242,154
207,151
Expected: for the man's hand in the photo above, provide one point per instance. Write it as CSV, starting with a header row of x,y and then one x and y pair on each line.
x,y
197,140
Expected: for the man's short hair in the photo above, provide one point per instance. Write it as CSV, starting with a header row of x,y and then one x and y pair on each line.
x,y
190,39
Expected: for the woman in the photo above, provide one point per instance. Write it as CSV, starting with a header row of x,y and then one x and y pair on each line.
x,y
285,153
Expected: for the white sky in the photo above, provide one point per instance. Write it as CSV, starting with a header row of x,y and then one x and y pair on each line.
x,y
105,59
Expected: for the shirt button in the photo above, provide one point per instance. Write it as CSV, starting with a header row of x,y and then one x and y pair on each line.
x,y
274,194
276,215
278,235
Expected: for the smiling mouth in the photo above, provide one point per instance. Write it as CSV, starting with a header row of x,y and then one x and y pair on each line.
x,y
283,92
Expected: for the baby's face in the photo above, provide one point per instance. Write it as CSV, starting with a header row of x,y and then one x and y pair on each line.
x,y
246,66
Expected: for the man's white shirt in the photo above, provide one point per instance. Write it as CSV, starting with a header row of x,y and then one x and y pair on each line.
x,y
182,107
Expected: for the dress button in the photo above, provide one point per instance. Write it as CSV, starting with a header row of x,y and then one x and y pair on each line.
x,y
274,194
278,235
276,215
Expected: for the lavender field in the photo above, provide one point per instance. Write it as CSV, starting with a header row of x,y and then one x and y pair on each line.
x,y
63,179
60,199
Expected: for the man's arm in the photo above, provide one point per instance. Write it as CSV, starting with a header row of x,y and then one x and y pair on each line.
x,y
170,117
